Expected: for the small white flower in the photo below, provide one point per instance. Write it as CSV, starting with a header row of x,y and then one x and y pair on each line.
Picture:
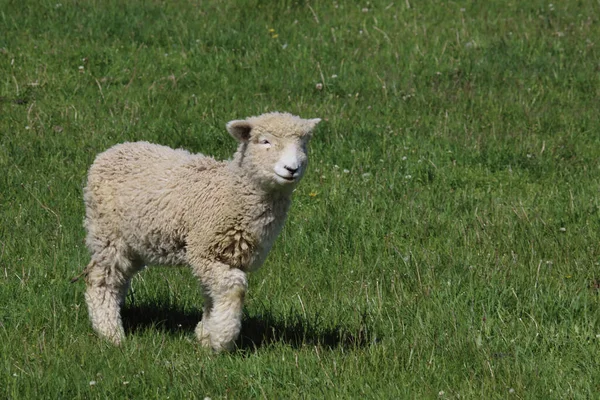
x,y
366,175
562,229
336,166
407,176
403,158
334,76
319,86
81,67
92,383
365,10
511,391
346,171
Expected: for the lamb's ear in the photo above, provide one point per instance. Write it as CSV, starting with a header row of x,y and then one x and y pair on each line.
x,y
239,129
311,123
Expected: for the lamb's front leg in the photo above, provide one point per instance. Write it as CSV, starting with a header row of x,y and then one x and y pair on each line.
x,y
224,291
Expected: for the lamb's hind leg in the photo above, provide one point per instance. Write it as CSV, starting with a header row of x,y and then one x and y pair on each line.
x,y
107,277
224,292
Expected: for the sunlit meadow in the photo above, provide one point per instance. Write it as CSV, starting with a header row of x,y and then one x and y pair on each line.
x,y
444,243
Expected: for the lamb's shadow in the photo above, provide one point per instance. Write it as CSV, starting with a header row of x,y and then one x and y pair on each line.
x,y
257,330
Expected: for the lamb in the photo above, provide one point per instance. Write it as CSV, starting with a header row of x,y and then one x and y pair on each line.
x,y
150,204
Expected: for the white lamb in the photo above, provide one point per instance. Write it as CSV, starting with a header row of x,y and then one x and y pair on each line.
x,y
150,204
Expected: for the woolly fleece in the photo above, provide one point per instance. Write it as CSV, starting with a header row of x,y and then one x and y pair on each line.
x,y
150,204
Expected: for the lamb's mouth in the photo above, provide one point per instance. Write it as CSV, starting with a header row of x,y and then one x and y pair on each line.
x,y
287,178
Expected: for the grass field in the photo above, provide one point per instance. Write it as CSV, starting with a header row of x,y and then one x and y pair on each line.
x,y
445,242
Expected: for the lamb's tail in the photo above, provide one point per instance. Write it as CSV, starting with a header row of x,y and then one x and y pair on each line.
x,y
85,272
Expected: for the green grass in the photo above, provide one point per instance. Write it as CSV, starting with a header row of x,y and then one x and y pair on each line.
x,y
444,243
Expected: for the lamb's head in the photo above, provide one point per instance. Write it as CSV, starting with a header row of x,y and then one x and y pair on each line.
x,y
273,148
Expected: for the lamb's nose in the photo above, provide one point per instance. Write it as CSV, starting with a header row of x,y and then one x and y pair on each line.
x,y
291,169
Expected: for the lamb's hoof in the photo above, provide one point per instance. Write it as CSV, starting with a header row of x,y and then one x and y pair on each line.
x,y
204,337
115,338
226,346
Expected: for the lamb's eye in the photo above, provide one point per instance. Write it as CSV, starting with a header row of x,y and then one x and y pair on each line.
x,y
264,141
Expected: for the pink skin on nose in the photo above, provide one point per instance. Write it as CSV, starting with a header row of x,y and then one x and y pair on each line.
x,y
289,166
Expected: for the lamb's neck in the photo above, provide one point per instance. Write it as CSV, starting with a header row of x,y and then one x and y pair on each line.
x,y
277,196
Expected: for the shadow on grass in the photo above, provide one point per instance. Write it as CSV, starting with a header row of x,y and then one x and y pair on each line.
x,y
257,330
